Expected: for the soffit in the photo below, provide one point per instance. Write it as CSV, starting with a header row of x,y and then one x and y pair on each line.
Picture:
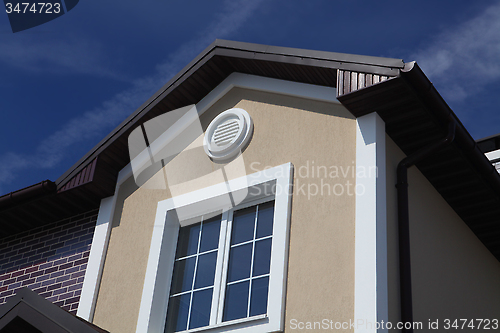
x,y
415,116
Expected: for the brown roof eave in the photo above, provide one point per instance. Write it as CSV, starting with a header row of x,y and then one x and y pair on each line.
x,y
409,99
26,194
416,78
240,50
133,118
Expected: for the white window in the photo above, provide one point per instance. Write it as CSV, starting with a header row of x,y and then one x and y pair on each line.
x,y
225,269
232,249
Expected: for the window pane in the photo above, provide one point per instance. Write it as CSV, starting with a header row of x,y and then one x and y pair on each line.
x,y
262,257
187,243
236,303
265,219
243,225
182,279
210,234
177,314
258,300
240,258
205,272
200,309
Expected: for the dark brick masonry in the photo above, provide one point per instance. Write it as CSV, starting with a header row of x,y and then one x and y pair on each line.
x,y
50,260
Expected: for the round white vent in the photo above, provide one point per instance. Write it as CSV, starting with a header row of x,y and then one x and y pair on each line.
x,y
227,134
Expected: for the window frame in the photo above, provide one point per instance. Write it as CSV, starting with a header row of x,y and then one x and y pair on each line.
x,y
218,265
227,250
269,184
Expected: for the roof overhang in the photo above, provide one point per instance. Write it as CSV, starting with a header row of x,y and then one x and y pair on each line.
x,y
27,312
414,113
214,65
94,176
416,116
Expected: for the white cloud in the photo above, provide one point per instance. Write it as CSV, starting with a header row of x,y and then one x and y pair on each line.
x,y
463,60
71,56
95,123
222,26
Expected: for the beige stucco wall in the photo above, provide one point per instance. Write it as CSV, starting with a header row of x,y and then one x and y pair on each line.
x,y
453,274
321,256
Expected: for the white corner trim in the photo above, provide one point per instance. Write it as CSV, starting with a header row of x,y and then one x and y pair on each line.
x,y
493,155
370,285
98,249
97,255
152,312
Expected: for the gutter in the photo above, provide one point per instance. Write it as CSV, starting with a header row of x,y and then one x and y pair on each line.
x,y
418,81
32,192
404,220
424,96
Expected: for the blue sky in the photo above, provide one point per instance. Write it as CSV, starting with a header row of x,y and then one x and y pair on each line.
x,y
67,83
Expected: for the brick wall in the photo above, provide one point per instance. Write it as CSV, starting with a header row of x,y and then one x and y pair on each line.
x,y
50,260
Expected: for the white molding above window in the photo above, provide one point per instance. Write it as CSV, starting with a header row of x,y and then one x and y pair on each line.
x,y
274,183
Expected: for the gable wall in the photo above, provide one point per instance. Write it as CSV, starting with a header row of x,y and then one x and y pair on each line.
x,y
321,257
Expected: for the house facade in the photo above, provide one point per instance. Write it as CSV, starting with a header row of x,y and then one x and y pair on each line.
x,y
256,192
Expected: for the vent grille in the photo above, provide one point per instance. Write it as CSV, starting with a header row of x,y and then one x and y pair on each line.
x,y
225,132
228,134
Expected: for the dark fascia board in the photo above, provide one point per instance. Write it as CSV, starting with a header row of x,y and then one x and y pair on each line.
x,y
420,91
312,54
313,62
25,318
130,120
489,143
494,136
28,304
416,78
424,91
368,64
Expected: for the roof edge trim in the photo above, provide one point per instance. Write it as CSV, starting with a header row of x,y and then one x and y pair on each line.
x,y
319,58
